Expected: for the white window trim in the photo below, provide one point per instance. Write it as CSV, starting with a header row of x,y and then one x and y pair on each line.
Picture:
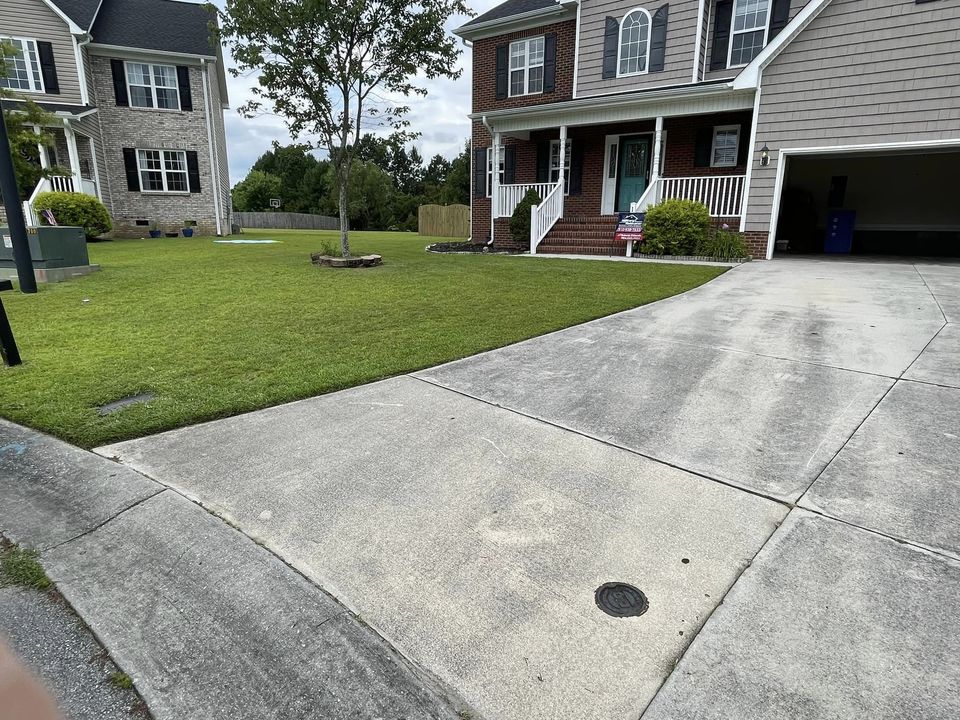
x,y
163,171
153,86
646,64
526,66
713,145
566,165
30,70
734,33
503,168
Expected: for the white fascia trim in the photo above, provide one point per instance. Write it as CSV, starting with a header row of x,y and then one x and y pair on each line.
x,y
502,26
749,77
745,203
96,13
120,51
74,28
81,69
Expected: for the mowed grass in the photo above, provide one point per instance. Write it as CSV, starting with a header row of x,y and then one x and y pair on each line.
x,y
213,330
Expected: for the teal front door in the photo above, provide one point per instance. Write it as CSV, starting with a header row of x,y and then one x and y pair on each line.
x,y
633,170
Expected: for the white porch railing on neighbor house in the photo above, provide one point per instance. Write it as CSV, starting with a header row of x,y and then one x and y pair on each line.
x,y
509,196
545,215
722,194
55,183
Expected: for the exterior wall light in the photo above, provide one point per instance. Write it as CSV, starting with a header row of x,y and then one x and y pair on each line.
x,y
764,156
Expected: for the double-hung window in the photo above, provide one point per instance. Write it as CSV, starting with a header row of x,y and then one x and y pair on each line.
x,y
749,32
634,43
153,86
163,171
500,154
726,146
526,66
557,161
22,71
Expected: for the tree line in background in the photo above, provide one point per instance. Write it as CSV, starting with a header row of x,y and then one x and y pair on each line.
x,y
387,183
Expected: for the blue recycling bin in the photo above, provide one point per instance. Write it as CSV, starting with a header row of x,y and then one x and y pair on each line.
x,y
840,224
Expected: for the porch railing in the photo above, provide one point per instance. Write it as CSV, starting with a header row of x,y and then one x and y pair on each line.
x,y
722,194
55,183
61,183
545,215
509,196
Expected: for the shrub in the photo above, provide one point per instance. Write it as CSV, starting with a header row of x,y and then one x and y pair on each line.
x,y
520,221
723,243
675,227
75,209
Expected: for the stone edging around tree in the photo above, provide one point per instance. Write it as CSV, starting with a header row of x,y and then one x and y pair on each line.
x,y
348,262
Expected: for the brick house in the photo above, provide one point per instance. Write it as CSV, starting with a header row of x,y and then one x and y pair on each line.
x,y
138,92
784,117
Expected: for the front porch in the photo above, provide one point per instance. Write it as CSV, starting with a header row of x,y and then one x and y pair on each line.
x,y
613,168
73,160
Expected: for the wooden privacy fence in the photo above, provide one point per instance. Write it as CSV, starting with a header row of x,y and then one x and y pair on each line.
x,y
285,221
452,221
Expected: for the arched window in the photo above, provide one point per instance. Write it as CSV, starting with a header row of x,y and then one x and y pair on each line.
x,y
634,42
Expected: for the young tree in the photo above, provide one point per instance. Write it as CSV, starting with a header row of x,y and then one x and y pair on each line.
x,y
327,67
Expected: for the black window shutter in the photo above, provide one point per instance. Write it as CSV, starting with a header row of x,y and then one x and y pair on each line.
x,y
503,58
509,165
743,144
480,172
721,35
48,68
183,83
133,172
119,83
703,147
549,62
193,171
779,17
611,41
576,168
543,162
658,39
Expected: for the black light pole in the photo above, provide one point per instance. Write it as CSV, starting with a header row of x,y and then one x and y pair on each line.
x,y
15,221
8,346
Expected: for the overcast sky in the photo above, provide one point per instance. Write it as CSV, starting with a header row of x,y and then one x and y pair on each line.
x,y
441,116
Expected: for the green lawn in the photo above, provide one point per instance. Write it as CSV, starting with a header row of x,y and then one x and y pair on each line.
x,y
215,329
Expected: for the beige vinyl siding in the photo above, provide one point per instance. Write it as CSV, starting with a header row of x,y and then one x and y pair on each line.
x,y
795,7
861,73
678,61
33,19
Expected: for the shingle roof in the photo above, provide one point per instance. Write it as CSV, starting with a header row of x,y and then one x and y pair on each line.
x,y
168,25
511,8
81,12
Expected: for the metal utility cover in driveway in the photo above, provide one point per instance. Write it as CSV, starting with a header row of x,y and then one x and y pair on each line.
x,y
474,538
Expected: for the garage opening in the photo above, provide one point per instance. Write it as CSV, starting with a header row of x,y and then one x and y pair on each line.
x,y
904,203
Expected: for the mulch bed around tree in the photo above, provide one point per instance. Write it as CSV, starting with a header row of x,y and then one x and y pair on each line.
x,y
468,248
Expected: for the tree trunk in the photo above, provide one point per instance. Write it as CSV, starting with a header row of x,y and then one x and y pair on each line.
x,y
344,221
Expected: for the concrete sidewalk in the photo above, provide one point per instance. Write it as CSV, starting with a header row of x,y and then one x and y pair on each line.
x,y
469,512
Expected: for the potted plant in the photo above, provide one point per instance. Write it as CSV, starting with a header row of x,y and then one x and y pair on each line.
x,y
188,226
154,229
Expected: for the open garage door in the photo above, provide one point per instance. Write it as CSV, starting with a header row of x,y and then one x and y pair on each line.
x,y
894,203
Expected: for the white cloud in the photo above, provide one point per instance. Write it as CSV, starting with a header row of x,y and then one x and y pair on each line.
x,y
440,117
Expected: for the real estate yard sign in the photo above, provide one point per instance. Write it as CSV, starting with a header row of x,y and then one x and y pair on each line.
x,y
630,227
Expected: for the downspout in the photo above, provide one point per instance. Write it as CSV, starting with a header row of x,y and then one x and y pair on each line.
x,y
751,155
698,43
493,178
576,52
214,167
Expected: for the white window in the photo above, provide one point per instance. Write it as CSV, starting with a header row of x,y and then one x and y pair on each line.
x,y
501,155
726,146
163,171
526,66
749,32
23,69
634,43
153,86
555,164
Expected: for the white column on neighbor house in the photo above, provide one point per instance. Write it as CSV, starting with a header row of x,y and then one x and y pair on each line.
x,y
42,150
657,143
74,155
494,182
563,152
96,167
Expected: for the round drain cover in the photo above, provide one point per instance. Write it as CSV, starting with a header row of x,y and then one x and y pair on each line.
x,y
621,600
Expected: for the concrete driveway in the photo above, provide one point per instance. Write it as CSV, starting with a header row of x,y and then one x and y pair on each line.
x,y
784,441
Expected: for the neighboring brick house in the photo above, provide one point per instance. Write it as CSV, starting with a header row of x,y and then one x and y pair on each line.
x,y
138,90
785,117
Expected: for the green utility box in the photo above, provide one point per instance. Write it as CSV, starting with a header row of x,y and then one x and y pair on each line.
x,y
58,253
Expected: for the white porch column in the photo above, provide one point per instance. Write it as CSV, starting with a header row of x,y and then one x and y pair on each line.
x,y
96,168
494,169
563,152
74,155
657,142
42,150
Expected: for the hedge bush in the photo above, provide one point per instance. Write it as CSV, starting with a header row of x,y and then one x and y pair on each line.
x,y
520,221
675,227
76,209
723,244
